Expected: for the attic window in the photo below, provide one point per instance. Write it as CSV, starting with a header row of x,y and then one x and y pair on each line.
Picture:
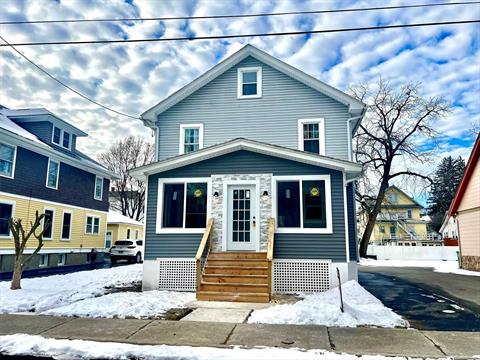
x,y
249,82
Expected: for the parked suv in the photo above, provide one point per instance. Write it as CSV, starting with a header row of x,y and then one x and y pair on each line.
x,y
130,250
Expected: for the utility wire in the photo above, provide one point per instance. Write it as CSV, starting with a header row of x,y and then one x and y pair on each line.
x,y
65,85
213,37
239,15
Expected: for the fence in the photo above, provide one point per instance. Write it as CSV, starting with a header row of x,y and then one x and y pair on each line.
x,y
394,252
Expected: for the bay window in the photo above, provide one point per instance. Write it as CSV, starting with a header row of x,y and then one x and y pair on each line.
x,y
303,204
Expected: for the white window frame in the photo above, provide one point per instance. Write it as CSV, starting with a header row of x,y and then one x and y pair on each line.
x,y
14,160
95,189
42,263
13,203
52,225
48,172
181,230
61,259
62,135
328,204
240,71
183,127
321,133
70,228
93,222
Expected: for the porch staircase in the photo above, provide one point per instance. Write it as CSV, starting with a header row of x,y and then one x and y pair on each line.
x,y
235,276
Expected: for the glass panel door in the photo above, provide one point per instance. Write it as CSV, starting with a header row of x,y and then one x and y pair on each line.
x,y
242,221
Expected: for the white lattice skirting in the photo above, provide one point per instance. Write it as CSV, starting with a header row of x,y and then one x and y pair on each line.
x,y
291,276
176,274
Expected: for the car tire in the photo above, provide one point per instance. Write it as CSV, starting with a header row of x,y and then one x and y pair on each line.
x,y
138,258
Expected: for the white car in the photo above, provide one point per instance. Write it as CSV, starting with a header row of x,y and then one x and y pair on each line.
x,y
130,250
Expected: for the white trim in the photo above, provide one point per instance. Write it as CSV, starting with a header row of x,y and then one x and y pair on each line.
x,y
13,203
345,215
70,227
157,142
50,160
48,202
226,205
328,204
95,189
14,160
249,145
180,230
93,222
62,137
181,141
44,256
321,133
61,256
240,71
52,225
50,250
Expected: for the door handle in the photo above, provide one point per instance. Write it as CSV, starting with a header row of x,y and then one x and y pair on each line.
x,y
254,222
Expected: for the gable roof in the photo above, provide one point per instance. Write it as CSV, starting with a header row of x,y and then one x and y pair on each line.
x,y
352,170
415,203
356,107
471,164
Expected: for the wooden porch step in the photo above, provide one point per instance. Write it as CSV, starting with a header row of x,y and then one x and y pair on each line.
x,y
232,296
236,270
234,287
233,278
236,262
238,255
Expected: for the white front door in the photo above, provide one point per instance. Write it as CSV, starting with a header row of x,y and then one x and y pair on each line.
x,y
242,218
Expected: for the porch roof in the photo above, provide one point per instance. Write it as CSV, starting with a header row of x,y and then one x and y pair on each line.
x,y
352,170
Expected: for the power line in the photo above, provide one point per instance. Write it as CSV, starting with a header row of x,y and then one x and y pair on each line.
x,y
65,85
238,15
213,37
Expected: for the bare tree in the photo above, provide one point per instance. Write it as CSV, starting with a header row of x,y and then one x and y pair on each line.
x,y
128,192
389,142
20,238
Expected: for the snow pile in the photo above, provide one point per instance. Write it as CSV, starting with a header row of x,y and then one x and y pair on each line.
x,y
361,308
44,293
140,305
21,344
437,265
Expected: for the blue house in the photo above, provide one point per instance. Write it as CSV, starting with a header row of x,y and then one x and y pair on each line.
x,y
42,170
252,191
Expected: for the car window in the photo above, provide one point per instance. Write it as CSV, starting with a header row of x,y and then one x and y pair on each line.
x,y
140,242
123,242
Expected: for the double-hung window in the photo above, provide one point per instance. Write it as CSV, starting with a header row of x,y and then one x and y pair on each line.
x,y
7,160
6,213
98,195
311,135
303,204
66,225
48,224
52,174
249,81
183,204
61,138
191,138
92,225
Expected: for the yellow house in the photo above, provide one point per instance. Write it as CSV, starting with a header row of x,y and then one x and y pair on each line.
x,y
41,170
120,227
399,220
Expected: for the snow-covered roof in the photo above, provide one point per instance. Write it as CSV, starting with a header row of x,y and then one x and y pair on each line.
x,y
9,125
114,217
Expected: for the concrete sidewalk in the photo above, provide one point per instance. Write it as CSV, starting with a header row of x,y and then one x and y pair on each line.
x,y
359,341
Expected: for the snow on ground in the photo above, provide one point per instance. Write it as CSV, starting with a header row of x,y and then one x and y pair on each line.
x,y
21,344
437,265
140,305
44,293
361,308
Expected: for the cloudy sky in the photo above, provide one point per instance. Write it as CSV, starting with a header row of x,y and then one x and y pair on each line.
x,y
133,77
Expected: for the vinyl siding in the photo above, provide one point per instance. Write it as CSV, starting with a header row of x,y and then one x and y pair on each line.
x,y
75,186
25,209
311,246
273,118
41,129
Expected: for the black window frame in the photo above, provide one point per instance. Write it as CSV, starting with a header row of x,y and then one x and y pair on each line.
x,y
5,220
64,226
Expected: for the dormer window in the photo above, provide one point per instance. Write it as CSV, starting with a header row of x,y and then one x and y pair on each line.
x,y
61,138
249,82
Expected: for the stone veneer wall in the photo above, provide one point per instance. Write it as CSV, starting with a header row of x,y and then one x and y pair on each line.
x,y
471,263
265,203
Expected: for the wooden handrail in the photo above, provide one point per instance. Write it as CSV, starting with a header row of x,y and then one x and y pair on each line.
x,y
271,236
201,250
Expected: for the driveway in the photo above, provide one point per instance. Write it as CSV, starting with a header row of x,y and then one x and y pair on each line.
x,y
428,300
